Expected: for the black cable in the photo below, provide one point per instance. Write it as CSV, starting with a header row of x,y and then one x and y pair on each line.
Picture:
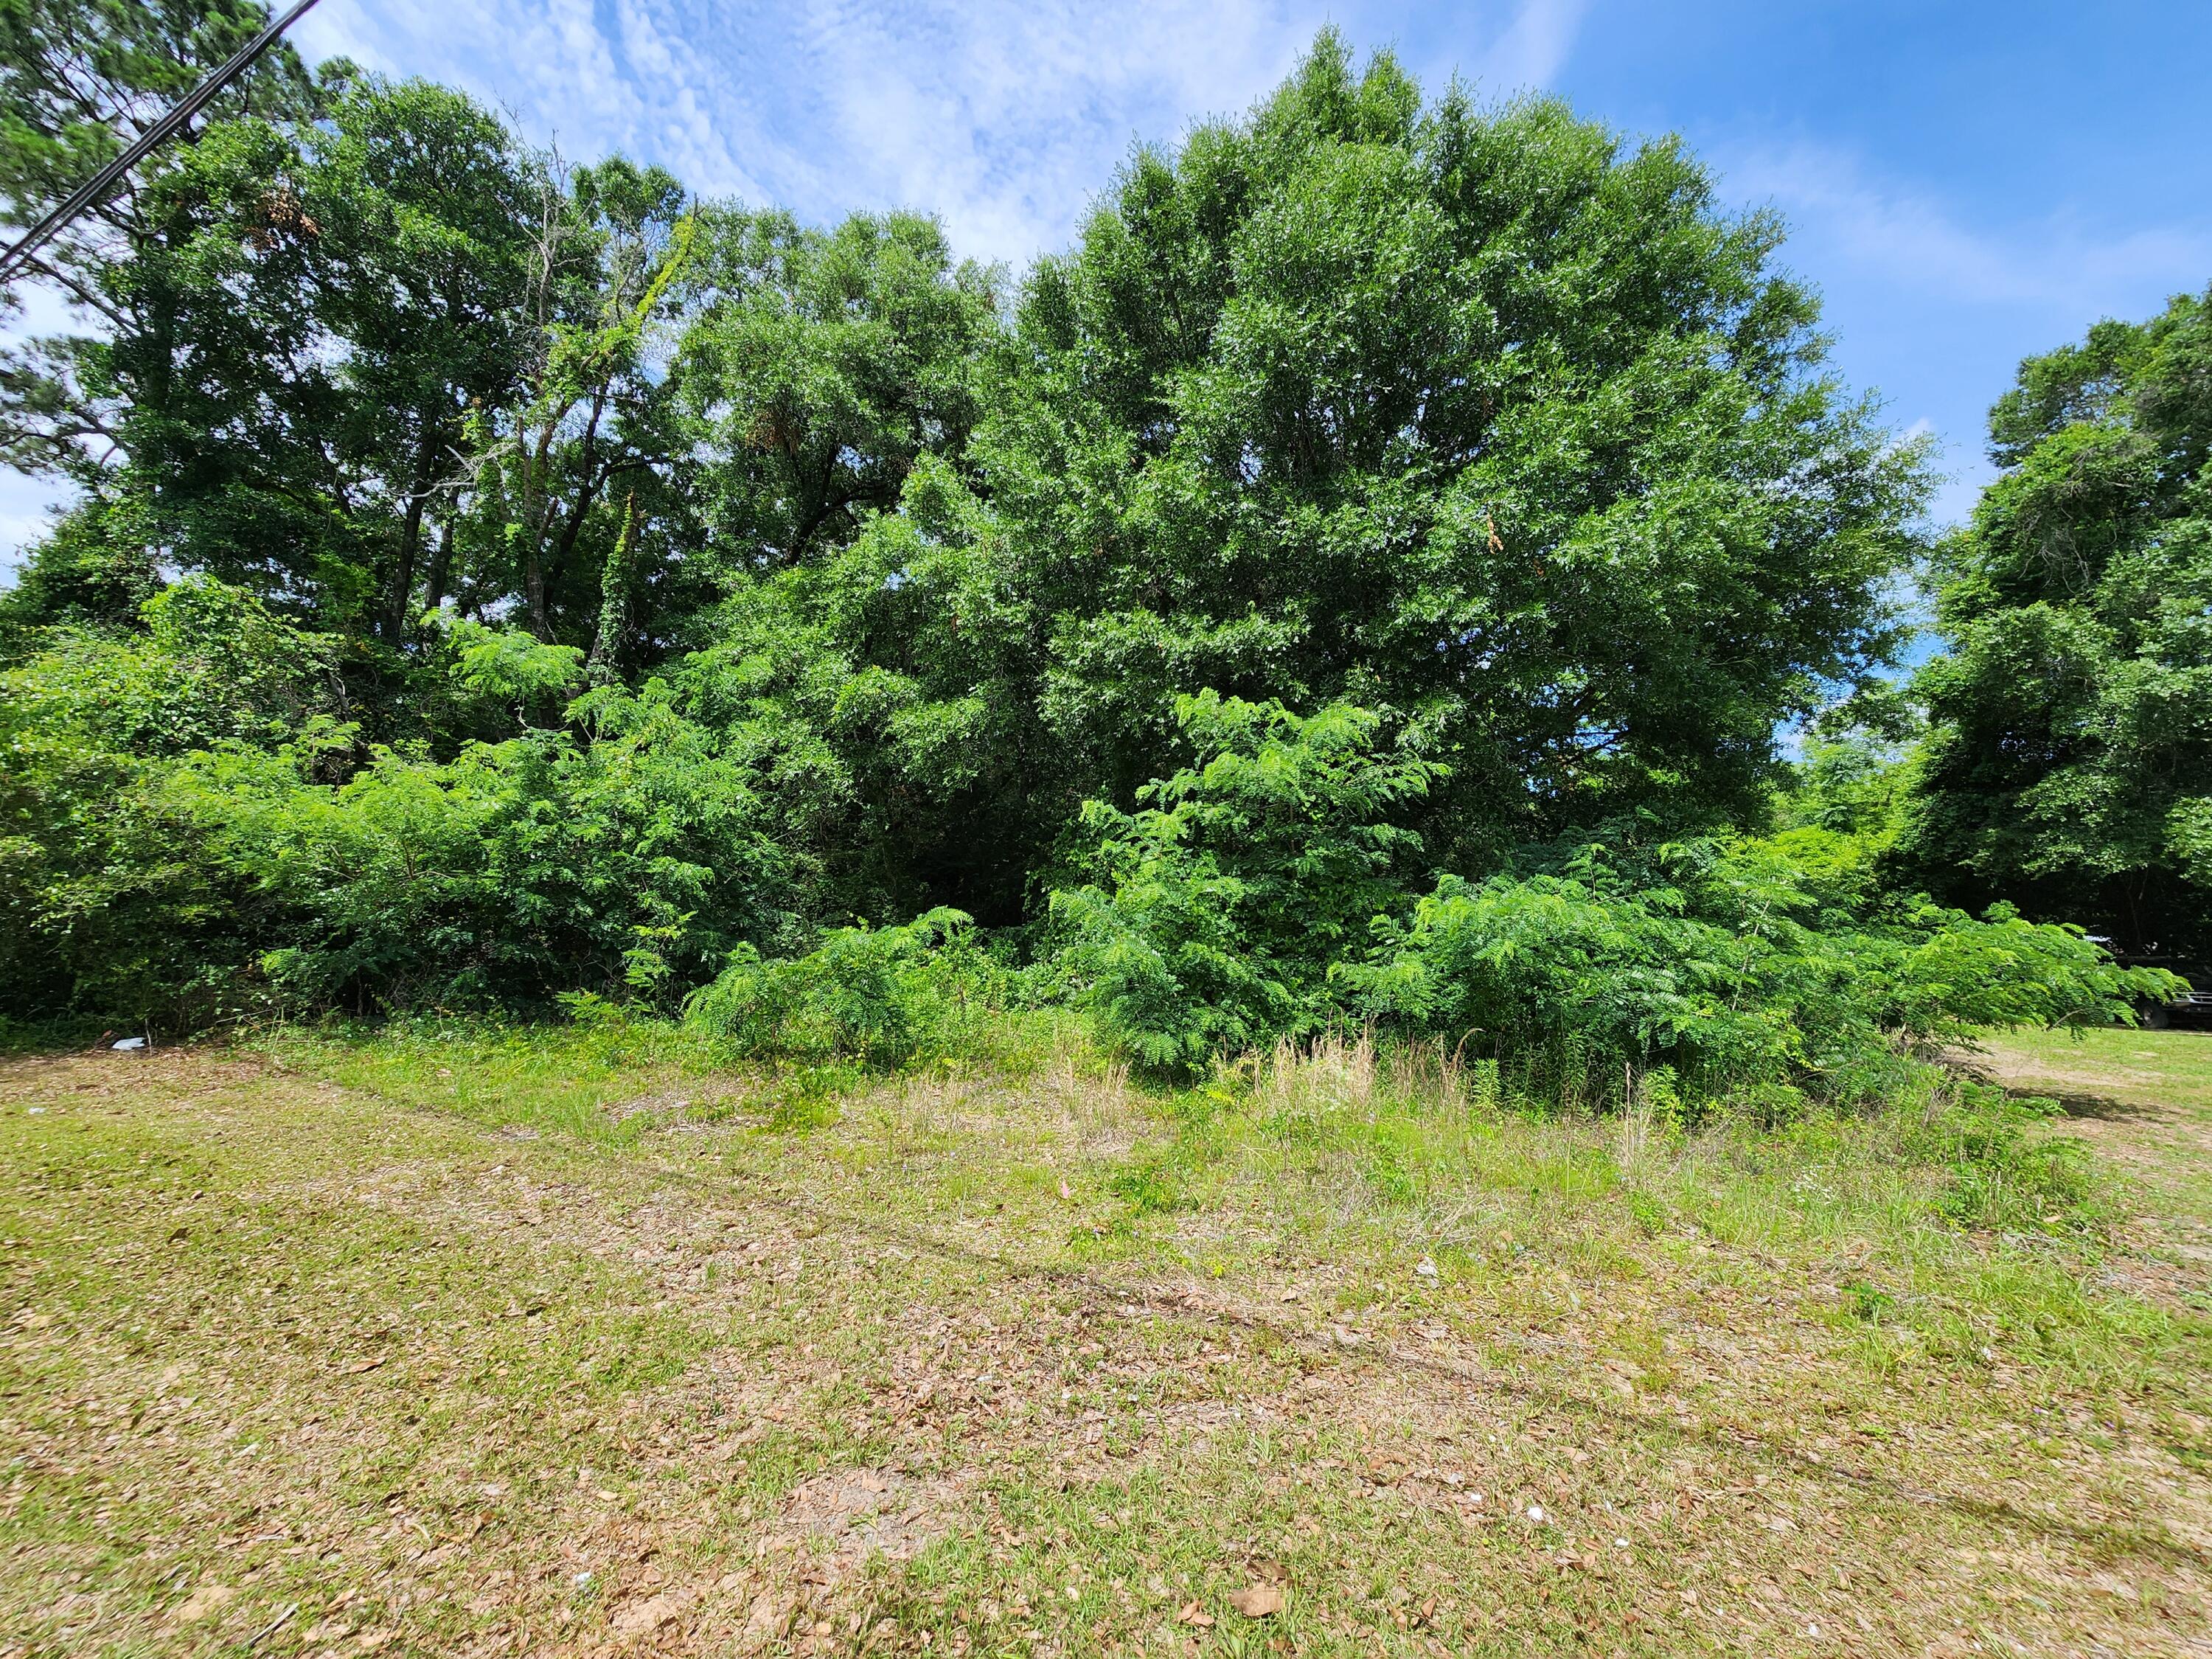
x,y
16,257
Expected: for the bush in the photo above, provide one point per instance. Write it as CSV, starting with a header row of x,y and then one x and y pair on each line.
x,y
878,995
513,873
1742,962
110,906
1220,905
1265,892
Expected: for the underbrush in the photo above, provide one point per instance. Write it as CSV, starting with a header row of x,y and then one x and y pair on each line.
x,y
1408,1114
1946,1222
925,993
47,1037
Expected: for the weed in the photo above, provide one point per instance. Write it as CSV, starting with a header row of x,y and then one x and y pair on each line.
x,y
1650,1214
1867,1302
1149,1188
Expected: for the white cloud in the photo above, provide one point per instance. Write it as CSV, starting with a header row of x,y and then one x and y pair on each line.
x,y
1937,309
1003,117
1535,45
1908,239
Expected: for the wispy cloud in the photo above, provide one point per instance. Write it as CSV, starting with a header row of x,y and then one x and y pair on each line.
x,y
1937,310
1003,117
1533,48
1914,241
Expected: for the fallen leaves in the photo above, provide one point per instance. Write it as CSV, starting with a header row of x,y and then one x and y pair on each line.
x,y
205,1601
1258,1601
769,1617
283,1618
643,1617
1403,1504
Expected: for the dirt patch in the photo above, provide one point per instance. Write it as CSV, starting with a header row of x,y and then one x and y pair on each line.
x,y
2121,1110
707,1100
857,1513
2083,1091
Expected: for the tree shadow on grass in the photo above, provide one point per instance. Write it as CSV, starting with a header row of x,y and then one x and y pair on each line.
x,y
2104,1109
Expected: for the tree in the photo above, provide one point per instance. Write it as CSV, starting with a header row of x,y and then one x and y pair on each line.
x,y
317,334
1486,422
80,80
186,274
1376,495
424,211
2068,766
822,366
608,247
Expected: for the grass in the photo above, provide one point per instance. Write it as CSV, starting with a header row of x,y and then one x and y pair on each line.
x,y
455,1339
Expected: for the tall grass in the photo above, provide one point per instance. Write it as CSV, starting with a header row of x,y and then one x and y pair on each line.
x,y
1943,1219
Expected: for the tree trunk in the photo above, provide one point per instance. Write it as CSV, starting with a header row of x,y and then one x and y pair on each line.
x,y
441,569
537,512
410,530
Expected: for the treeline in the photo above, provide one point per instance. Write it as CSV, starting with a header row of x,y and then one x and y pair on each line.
x,y
1363,578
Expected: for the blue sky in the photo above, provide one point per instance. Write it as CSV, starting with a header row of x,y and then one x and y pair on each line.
x,y
1966,182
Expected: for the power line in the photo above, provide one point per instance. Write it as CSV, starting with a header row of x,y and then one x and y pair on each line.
x,y
16,257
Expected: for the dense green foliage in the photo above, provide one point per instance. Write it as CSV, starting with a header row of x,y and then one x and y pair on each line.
x,y
1223,902
1483,417
2070,764
1361,581
875,995
1259,899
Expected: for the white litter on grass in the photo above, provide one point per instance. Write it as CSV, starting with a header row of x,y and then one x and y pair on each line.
x,y
1621,1543
1426,1267
128,1045
1535,1511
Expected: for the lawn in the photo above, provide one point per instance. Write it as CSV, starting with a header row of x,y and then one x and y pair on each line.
x,y
462,1340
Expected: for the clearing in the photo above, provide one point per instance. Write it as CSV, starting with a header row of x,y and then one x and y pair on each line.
x,y
473,1342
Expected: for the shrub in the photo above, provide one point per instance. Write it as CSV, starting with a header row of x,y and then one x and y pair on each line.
x,y
1220,904
878,995
1265,893
1742,962
109,903
505,876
